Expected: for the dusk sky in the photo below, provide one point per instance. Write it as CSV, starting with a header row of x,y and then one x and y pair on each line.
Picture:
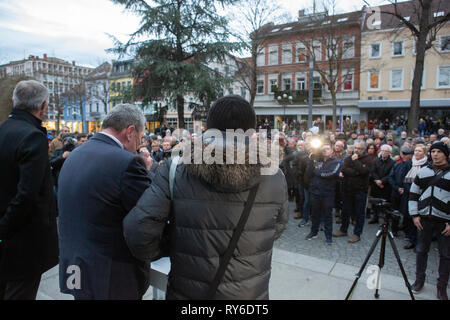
x,y
77,29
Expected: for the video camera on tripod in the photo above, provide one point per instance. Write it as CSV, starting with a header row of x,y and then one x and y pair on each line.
x,y
385,208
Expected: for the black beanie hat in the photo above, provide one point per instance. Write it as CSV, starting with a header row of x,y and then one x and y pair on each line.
x,y
231,112
441,146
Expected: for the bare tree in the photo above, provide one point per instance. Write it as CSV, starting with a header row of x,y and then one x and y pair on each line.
x,y
333,32
253,17
424,24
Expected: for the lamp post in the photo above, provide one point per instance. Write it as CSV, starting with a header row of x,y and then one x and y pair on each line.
x,y
310,93
284,100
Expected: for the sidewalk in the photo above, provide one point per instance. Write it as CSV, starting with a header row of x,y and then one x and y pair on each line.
x,y
296,277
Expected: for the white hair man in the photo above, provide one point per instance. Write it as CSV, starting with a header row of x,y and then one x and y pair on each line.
x,y
28,214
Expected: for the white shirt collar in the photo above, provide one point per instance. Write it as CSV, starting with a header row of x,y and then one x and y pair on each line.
x,y
114,138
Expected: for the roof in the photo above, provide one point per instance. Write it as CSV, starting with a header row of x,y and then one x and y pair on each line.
x,y
312,22
410,10
101,72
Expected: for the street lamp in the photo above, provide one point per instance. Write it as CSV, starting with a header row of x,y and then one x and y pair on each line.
x,y
310,93
284,100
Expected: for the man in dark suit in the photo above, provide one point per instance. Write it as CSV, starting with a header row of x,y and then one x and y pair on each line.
x,y
27,205
98,185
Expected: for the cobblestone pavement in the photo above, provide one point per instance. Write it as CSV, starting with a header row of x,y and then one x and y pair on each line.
x,y
293,240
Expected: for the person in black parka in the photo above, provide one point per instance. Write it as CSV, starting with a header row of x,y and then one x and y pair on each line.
x,y
208,200
98,185
28,231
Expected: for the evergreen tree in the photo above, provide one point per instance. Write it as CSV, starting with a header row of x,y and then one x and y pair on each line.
x,y
174,41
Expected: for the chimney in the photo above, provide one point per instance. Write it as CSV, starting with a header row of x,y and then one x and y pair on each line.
x,y
73,63
301,13
45,56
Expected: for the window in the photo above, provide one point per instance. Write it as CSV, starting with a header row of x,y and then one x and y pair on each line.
x,y
260,59
260,86
348,48
287,54
423,78
273,85
230,90
90,107
97,107
397,49
396,79
301,52
317,83
375,50
317,50
332,46
414,49
118,86
444,43
443,80
374,80
301,83
243,92
347,80
342,19
439,14
287,84
273,55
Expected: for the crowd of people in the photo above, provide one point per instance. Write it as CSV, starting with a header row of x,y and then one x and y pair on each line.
x,y
338,172
123,201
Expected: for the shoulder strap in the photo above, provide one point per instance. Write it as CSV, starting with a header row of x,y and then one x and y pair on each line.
x,y
233,242
173,170
437,177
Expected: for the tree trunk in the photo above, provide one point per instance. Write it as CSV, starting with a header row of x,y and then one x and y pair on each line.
x,y
253,74
414,111
180,110
334,120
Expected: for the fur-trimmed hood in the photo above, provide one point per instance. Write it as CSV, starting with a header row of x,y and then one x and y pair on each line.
x,y
226,177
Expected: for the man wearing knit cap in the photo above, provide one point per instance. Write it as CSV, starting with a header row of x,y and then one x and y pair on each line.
x,y
207,201
430,210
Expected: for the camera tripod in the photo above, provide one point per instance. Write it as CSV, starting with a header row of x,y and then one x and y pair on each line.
x,y
383,233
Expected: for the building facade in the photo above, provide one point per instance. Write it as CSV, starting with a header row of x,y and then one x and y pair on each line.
x,y
57,75
97,96
120,81
388,56
283,68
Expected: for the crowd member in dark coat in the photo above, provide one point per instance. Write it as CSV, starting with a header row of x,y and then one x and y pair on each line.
x,y
288,168
208,200
322,173
339,154
59,156
98,185
356,170
27,205
379,177
157,152
397,183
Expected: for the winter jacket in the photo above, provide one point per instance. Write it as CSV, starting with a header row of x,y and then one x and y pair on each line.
x,y
27,203
380,171
323,176
356,173
208,202
430,200
398,173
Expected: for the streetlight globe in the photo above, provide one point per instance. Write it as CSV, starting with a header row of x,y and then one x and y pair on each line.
x,y
279,98
284,95
290,97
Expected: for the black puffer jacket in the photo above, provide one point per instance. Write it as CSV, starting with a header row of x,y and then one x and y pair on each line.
x,y
208,202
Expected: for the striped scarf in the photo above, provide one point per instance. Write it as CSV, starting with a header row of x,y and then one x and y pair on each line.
x,y
416,165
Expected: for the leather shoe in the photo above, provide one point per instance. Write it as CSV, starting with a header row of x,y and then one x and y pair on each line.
x,y
417,286
442,293
409,246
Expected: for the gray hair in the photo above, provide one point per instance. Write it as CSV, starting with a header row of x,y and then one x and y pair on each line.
x,y
29,95
386,146
124,115
362,143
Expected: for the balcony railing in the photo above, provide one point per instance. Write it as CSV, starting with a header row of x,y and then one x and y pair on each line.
x,y
298,96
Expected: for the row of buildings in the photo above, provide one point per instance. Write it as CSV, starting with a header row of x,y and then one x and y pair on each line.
x,y
373,60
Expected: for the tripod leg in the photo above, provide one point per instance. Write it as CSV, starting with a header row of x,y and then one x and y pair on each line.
x,y
358,275
397,256
381,261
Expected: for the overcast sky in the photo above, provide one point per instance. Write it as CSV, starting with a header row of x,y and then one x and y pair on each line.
x,y
77,29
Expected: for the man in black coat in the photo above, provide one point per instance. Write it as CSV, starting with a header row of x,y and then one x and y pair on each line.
x,y
379,177
99,183
27,205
